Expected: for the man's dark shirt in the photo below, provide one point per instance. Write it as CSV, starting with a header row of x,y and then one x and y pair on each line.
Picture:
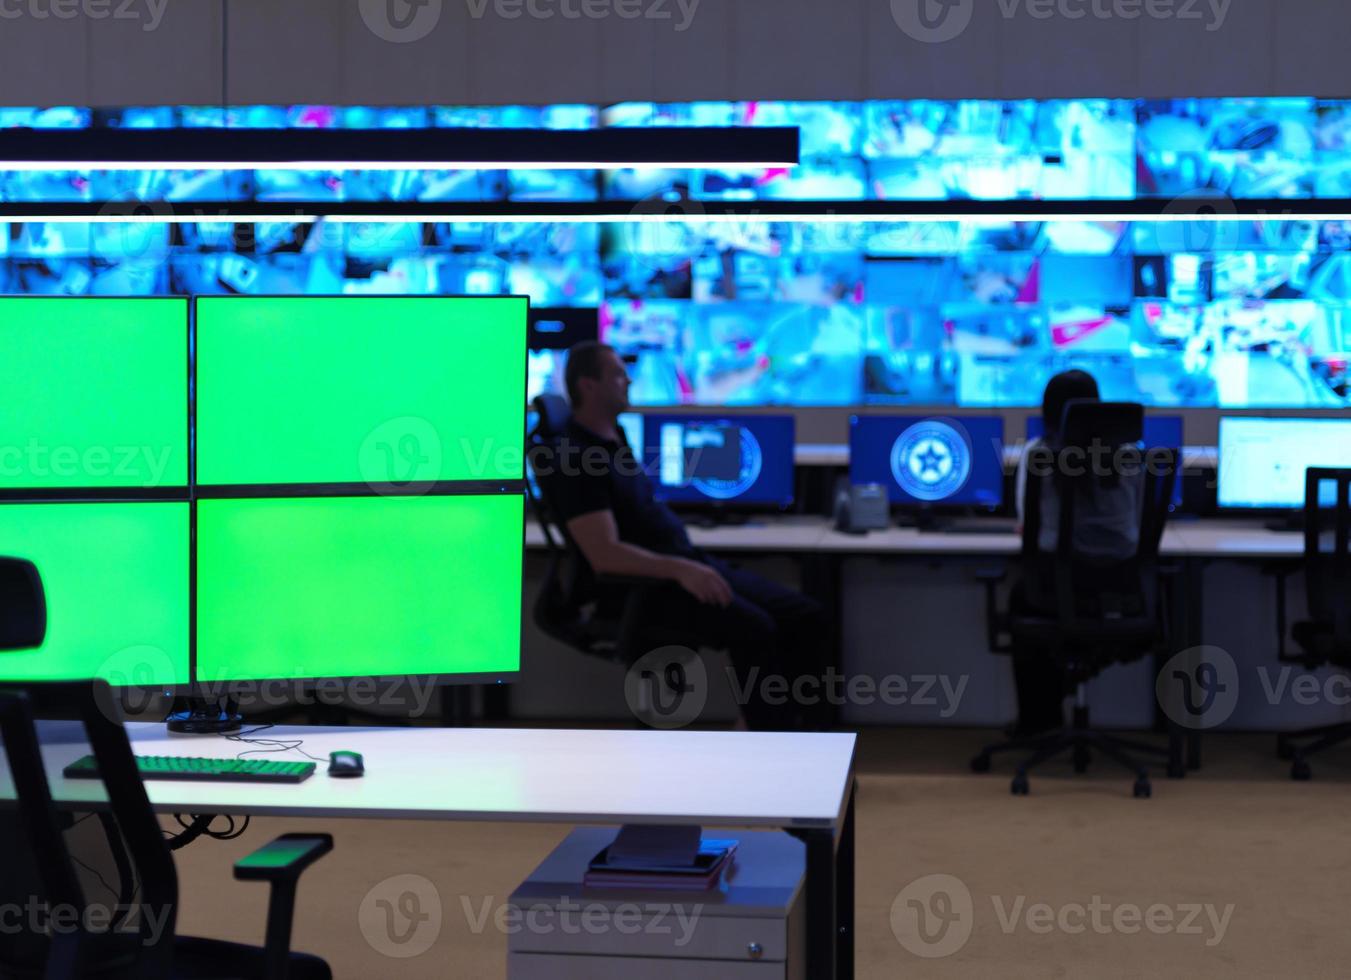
x,y
596,474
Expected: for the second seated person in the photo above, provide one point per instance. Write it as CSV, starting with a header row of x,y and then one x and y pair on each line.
x,y
612,513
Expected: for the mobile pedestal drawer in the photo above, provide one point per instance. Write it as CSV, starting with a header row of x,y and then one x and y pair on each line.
x,y
751,928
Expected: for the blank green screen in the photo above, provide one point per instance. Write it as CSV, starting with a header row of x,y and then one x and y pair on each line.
x,y
360,389
93,392
116,578
369,586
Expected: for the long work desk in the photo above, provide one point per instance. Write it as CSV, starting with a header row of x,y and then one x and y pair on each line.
x,y
1190,545
801,783
796,535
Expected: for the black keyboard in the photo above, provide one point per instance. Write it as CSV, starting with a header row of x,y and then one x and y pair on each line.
x,y
188,767
980,527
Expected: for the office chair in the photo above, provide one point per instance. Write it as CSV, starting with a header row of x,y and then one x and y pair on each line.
x,y
1087,612
1325,637
39,868
570,606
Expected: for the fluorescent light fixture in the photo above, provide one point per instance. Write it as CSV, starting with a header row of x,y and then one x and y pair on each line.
x,y
668,148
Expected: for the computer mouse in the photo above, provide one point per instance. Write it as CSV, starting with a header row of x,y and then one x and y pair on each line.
x,y
345,765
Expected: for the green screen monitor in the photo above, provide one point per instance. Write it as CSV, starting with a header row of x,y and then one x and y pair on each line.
x,y
383,392
116,579
93,393
373,586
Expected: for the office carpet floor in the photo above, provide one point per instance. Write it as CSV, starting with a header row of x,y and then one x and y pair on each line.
x,y
1234,871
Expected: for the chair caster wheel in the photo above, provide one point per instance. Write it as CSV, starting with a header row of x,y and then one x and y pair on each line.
x,y
1143,790
1300,771
1284,750
1019,786
980,763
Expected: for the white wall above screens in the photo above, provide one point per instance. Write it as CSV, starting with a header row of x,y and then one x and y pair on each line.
x,y
371,52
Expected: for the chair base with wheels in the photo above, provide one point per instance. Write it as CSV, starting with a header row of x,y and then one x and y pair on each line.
x,y
1318,740
1083,741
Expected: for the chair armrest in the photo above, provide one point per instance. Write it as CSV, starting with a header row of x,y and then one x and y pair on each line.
x,y
280,864
996,622
284,859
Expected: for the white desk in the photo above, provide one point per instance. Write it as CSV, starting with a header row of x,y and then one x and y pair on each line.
x,y
765,535
801,783
1237,540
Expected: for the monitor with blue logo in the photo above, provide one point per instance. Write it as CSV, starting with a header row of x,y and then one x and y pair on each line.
x,y
930,462
1161,432
741,461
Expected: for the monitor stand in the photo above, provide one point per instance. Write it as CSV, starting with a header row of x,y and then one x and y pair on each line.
x,y
204,716
1291,523
926,520
723,518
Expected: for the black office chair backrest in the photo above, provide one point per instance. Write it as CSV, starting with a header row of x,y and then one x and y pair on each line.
x,y
130,924
568,585
1098,473
23,605
554,415
1327,549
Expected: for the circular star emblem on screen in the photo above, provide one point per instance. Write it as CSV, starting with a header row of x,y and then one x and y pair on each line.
x,y
752,462
931,460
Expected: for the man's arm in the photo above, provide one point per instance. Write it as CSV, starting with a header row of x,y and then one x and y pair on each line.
x,y
598,537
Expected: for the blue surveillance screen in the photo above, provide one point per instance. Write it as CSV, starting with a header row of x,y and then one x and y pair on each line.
x,y
747,460
956,462
1161,432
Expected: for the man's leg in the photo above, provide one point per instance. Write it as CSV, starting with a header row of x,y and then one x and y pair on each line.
x,y
805,638
749,635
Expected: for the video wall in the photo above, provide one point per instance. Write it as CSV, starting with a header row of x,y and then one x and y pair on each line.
x,y
765,311
921,150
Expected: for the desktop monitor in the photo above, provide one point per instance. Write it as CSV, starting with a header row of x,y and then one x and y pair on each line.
x,y
930,462
93,394
331,587
116,578
1263,461
382,391
1161,432
744,461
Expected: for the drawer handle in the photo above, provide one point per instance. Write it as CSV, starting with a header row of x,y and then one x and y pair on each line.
x,y
755,951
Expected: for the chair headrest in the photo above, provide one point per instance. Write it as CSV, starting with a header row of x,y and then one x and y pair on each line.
x,y
1087,422
554,414
23,605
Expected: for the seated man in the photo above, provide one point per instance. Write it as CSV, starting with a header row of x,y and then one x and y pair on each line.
x,y
607,503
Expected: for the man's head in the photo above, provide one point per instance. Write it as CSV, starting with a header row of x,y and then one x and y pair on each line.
x,y
597,380
1060,391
